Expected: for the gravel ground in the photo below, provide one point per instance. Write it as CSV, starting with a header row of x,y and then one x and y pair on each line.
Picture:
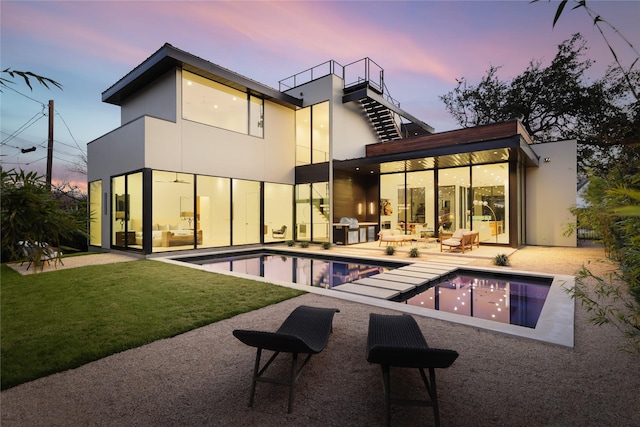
x,y
202,377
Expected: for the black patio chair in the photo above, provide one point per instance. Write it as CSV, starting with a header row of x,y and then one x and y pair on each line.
x,y
396,340
306,331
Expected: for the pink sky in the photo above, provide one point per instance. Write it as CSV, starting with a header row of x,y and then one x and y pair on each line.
x,y
423,47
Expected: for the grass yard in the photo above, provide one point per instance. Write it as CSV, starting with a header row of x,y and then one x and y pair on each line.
x,y
54,321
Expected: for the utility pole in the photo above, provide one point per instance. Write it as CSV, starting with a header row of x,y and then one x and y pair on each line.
x,y
50,146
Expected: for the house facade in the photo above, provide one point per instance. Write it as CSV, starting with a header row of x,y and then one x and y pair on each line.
x,y
207,158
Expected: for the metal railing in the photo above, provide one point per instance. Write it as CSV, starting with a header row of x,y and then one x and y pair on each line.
x,y
363,71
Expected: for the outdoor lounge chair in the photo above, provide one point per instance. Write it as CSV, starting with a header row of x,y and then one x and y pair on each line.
x,y
306,330
394,236
31,252
396,340
461,239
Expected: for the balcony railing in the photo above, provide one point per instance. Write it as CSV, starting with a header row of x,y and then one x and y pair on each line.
x,y
361,72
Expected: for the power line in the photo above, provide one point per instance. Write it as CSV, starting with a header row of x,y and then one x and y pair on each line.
x,y
68,130
26,96
33,120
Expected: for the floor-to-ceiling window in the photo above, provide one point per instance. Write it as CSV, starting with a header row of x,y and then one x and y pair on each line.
x,y
126,212
172,211
213,210
320,133
95,212
278,215
312,134
490,201
245,197
321,227
453,194
411,202
303,212
391,206
420,203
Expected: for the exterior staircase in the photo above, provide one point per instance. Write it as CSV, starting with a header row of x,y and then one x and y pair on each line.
x,y
382,119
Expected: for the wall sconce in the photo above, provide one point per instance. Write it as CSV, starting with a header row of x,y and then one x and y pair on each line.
x,y
371,208
547,159
188,216
359,208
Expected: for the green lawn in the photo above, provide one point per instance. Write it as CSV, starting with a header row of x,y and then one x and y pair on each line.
x,y
59,320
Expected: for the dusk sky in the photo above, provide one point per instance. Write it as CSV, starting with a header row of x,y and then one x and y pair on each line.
x,y
423,46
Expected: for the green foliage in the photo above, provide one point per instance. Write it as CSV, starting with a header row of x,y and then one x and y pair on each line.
x,y
26,76
556,102
304,244
614,211
62,319
390,250
601,24
326,245
31,213
609,301
501,260
414,253
290,243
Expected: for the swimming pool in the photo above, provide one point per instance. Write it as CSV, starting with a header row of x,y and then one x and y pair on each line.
x,y
511,299
323,272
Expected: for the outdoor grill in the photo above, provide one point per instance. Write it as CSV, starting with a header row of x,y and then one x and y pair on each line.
x,y
351,222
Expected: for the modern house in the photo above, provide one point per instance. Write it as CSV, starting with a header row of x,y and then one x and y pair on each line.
x,y
207,158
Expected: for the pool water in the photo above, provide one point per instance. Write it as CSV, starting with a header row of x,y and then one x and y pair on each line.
x,y
506,298
514,299
324,273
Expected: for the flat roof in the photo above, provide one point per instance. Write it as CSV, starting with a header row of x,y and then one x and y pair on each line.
x,y
168,57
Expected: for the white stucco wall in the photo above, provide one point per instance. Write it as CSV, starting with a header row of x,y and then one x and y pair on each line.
x,y
550,192
158,99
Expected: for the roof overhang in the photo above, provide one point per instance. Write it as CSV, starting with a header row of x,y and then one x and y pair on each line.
x,y
169,57
464,147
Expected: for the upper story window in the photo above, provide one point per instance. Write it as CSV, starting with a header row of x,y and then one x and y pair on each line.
x,y
215,104
312,134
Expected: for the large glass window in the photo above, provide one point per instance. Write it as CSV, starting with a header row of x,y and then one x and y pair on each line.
x,y
453,194
256,116
490,199
213,210
312,134
126,205
303,212
95,212
320,133
303,137
246,212
173,211
320,212
215,104
278,212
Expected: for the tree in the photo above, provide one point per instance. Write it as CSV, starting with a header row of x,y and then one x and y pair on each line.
x,y
600,23
555,102
30,213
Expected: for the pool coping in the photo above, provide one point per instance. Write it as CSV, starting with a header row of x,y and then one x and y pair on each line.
x,y
555,324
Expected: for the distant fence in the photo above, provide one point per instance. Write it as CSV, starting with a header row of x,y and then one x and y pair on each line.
x,y
588,234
